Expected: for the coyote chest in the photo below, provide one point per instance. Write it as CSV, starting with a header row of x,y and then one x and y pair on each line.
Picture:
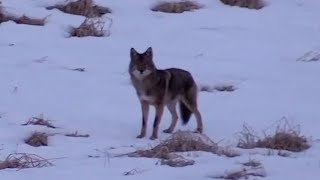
x,y
146,94
148,98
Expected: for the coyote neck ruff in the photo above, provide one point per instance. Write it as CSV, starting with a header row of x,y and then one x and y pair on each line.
x,y
161,88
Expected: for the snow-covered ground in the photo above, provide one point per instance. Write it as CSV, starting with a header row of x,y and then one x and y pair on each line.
x,y
256,51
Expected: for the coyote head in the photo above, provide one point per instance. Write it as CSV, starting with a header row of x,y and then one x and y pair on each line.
x,y
141,64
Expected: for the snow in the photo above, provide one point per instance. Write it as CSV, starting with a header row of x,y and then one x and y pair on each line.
x,y
256,51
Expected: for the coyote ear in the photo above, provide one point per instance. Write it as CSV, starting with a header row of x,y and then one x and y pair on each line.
x,y
133,53
149,52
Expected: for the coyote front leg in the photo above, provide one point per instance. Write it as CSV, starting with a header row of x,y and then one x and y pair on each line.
x,y
157,119
145,113
174,116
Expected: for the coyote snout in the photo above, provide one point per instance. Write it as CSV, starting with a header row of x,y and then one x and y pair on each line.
x,y
161,88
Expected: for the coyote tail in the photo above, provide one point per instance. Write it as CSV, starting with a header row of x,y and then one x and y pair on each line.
x,y
185,113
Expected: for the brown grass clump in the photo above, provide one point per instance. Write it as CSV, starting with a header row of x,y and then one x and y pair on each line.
x,y
83,8
37,139
284,138
182,141
40,121
244,173
4,17
250,4
176,7
22,19
252,168
90,27
24,160
30,21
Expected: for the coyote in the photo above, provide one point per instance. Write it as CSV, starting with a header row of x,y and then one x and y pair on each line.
x,y
161,88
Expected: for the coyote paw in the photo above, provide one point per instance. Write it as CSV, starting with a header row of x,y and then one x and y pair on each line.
x,y
153,137
198,130
140,136
167,131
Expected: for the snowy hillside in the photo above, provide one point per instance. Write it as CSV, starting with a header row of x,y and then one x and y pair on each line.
x,y
256,51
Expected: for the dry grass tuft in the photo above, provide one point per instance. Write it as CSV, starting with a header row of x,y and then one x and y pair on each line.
x,y
285,137
37,139
252,168
182,141
23,160
241,174
90,27
83,8
40,121
4,17
290,141
30,21
250,4
176,7
22,19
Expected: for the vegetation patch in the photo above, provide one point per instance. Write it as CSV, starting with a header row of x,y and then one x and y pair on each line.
x,y
85,8
24,160
244,173
29,20
90,27
39,121
181,141
37,139
176,7
285,137
250,4
24,19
